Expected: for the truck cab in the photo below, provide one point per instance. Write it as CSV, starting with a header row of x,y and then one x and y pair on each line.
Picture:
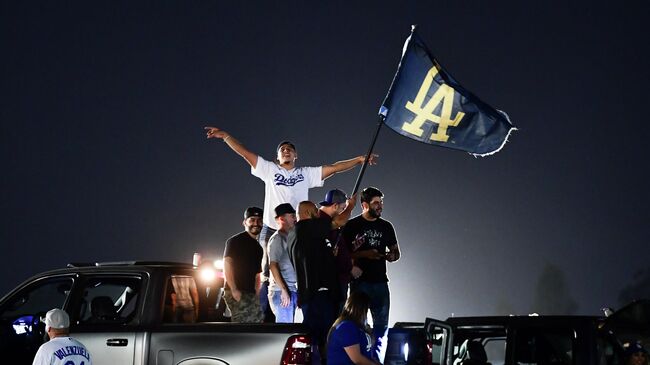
x,y
143,313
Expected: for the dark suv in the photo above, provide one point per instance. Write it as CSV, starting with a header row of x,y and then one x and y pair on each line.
x,y
519,340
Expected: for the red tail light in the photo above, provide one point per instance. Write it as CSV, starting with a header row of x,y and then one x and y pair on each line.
x,y
297,351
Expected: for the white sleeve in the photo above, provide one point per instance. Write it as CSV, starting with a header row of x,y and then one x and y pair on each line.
x,y
262,169
314,176
40,358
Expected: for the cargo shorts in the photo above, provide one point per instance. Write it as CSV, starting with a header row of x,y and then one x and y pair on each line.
x,y
247,310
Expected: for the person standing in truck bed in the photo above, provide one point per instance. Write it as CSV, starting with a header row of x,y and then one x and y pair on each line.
x,y
373,242
283,292
242,265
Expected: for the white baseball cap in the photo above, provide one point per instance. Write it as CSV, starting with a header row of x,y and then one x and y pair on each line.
x,y
56,318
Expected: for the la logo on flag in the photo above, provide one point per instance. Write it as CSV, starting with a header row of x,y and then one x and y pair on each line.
x,y
426,104
444,97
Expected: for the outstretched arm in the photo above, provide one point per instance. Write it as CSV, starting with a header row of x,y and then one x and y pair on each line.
x,y
345,165
235,145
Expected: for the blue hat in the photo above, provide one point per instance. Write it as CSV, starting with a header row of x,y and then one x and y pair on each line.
x,y
634,348
335,196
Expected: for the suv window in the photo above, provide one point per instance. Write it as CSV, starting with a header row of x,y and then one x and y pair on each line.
x,y
109,300
545,346
495,349
480,346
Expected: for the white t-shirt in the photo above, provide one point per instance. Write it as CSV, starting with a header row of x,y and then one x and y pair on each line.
x,y
284,186
62,351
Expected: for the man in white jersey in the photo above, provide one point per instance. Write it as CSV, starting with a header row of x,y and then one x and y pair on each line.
x,y
284,183
61,349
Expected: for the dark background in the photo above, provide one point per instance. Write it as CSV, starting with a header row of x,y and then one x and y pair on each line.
x,y
104,156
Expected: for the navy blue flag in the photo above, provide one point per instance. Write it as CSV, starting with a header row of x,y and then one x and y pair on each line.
x,y
426,104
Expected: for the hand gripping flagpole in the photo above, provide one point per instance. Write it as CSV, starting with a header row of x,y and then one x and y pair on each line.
x,y
365,163
363,168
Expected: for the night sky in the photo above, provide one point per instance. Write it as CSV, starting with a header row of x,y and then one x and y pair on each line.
x,y
104,156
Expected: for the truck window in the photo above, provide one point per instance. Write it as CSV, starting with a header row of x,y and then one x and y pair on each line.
x,y
109,300
38,298
188,300
181,300
21,331
544,347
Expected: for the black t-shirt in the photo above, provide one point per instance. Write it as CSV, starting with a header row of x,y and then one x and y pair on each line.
x,y
246,254
361,234
313,259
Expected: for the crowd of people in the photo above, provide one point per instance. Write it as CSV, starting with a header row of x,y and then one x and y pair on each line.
x,y
318,259
310,258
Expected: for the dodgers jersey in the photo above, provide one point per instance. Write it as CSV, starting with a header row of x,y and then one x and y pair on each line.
x,y
284,186
62,351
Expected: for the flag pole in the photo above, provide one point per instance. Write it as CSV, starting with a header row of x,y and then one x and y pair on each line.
x,y
365,163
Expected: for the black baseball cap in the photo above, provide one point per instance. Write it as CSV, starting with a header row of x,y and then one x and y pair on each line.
x,y
284,208
335,196
253,212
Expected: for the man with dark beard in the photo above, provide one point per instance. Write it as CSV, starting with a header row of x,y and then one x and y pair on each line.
x,y
372,241
242,265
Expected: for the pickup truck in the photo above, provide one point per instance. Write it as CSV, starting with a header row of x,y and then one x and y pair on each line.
x,y
124,314
518,340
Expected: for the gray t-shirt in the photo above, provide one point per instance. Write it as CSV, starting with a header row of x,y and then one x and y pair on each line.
x,y
279,252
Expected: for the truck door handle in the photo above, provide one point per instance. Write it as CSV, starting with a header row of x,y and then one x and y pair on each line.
x,y
117,342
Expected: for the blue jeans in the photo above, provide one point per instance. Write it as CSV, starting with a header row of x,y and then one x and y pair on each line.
x,y
379,308
283,314
263,239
